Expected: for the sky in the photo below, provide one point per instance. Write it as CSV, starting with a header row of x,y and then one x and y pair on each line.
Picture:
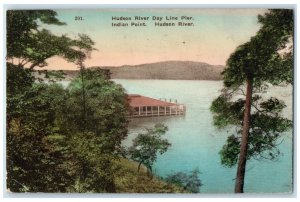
x,y
213,36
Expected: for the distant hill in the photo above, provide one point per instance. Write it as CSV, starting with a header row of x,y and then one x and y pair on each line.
x,y
173,70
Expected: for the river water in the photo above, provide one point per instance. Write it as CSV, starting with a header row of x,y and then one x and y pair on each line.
x,y
196,142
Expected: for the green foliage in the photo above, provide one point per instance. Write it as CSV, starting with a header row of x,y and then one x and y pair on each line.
x,y
48,117
128,181
97,135
21,23
266,127
47,150
18,79
48,147
52,76
63,140
190,182
229,152
32,45
266,59
29,154
106,107
280,22
227,112
147,145
260,58
272,105
279,69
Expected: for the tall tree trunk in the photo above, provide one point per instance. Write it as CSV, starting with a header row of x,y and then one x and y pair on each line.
x,y
139,167
82,69
240,176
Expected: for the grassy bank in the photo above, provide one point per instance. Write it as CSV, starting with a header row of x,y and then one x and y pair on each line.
x,y
129,181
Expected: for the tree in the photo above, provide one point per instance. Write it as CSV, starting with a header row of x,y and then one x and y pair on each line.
x,y
147,145
254,64
49,149
190,182
29,45
32,162
95,139
46,149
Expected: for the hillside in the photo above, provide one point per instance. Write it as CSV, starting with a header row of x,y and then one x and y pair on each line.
x,y
169,70
129,181
177,70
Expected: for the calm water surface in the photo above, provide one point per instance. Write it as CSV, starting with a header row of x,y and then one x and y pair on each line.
x,y
196,142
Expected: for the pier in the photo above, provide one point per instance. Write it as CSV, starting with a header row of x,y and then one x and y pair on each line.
x,y
142,106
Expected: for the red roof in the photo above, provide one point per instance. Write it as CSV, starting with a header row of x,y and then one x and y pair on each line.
x,y
138,100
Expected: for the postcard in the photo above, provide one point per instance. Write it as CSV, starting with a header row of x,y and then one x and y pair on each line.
x,y
150,100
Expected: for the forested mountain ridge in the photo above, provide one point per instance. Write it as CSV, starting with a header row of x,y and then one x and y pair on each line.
x,y
168,70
